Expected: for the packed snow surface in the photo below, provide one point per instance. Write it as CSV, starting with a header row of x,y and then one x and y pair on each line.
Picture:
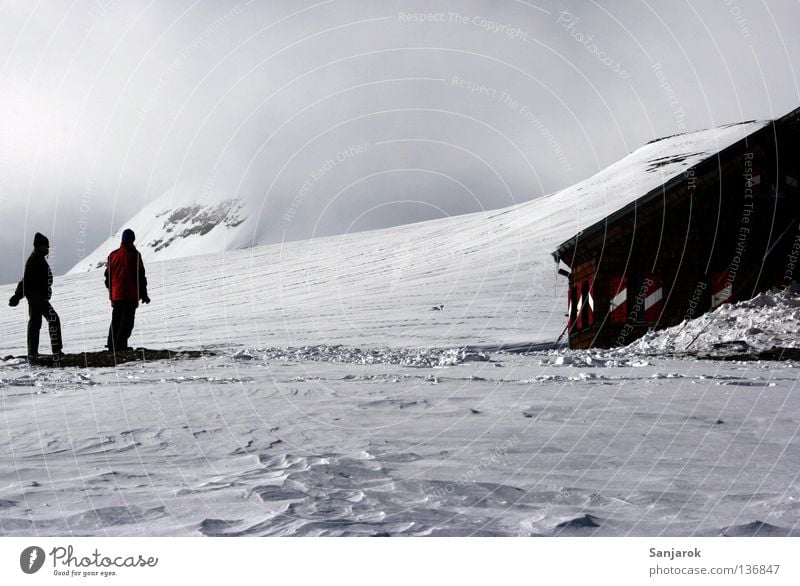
x,y
358,387
519,445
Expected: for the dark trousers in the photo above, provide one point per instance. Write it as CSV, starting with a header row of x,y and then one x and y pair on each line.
x,y
36,311
122,318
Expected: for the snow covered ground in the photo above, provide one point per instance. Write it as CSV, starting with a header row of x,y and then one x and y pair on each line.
x,y
341,399
546,444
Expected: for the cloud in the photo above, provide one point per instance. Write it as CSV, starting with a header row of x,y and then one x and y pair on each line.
x,y
461,105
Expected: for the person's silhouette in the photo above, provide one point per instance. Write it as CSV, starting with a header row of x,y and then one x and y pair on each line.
x,y
37,287
127,285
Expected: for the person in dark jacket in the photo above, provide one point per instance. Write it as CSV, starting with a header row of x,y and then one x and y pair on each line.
x,y
127,285
37,287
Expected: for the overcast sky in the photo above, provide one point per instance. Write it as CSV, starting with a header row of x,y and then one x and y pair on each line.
x,y
427,108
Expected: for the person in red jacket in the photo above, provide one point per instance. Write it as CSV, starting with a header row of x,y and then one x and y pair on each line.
x,y
127,285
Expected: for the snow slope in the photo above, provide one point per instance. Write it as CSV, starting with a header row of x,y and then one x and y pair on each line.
x,y
189,220
492,271
340,402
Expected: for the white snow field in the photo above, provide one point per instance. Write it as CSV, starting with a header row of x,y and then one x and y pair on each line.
x,y
340,402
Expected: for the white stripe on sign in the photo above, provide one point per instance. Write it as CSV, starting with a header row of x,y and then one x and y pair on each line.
x,y
619,299
652,299
591,302
721,296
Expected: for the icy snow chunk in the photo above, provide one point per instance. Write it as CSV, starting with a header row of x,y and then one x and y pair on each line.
x,y
579,358
412,357
454,356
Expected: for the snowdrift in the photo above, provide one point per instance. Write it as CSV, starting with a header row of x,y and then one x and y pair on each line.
x,y
769,320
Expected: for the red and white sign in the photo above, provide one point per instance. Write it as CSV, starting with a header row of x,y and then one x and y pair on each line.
x,y
721,289
654,299
618,308
570,309
586,305
754,184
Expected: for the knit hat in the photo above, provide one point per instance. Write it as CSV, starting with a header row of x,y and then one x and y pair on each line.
x,y
128,236
40,240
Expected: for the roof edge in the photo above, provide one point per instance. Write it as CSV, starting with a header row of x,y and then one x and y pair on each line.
x,y
558,253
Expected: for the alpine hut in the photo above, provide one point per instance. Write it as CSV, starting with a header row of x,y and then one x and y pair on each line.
x,y
694,221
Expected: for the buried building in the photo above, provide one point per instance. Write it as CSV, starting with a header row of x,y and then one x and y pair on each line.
x,y
693,221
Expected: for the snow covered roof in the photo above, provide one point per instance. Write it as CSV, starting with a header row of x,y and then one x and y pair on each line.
x,y
641,175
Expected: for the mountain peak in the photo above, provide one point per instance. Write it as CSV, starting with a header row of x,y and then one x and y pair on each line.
x,y
185,221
